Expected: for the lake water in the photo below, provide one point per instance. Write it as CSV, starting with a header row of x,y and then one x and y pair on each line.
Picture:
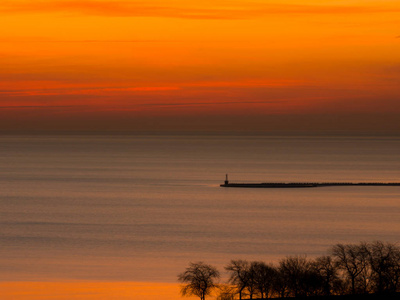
x,y
140,208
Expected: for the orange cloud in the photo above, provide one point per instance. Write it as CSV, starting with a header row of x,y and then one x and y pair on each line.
x,y
97,91
51,88
252,58
154,9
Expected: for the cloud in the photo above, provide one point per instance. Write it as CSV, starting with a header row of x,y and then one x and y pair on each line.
x,y
46,40
153,9
137,106
90,91
35,106
213,85
210,103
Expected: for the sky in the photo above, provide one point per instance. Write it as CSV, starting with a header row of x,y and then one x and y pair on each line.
x,y
211,65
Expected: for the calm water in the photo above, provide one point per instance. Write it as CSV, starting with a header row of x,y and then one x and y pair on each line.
x,y
141,207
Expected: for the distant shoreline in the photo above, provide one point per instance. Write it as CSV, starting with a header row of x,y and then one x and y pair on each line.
x,y
305,184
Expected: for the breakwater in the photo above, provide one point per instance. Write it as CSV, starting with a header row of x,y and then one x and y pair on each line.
x,y
305,184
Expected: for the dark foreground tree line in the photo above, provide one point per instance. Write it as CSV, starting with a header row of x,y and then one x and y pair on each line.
x,y
349,269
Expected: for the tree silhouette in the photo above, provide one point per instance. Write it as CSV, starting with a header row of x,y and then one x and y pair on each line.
x,y
226,292
198,280
352,259
385,265
301,277
239,270
361,268
280,285
328,271
264,276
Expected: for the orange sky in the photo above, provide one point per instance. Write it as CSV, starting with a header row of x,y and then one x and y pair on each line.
x,y
200,65
87,290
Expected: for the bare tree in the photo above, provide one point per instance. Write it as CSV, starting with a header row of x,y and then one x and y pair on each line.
x,y
226,292
251,280
280,285
301,278
239,271
198,280
264,276
384,259
290,269
328,272
352,259
364,281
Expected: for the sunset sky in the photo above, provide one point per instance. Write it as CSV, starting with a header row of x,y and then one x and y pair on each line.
x,y
199,65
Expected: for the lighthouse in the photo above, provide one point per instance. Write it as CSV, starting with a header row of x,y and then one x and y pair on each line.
x,y
226,179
